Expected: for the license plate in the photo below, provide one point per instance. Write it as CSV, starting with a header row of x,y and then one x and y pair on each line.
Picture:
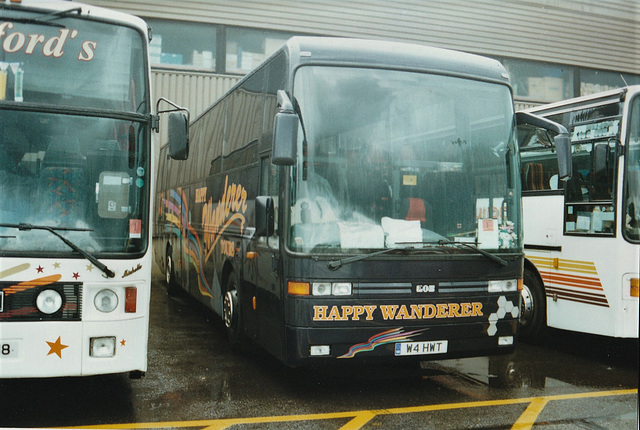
x,y
421,348
9,349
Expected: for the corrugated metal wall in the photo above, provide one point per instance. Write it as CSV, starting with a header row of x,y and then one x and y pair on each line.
x,y
602,34
195,91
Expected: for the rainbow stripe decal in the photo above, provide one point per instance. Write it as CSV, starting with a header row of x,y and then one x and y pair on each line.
x,y
177,215
386,337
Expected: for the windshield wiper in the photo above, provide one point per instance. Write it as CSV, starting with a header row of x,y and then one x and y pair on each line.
x,y
336,264
47,18
85,254
489,255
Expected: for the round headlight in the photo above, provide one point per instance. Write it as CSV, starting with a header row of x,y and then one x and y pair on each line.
x,y
49,301
106,301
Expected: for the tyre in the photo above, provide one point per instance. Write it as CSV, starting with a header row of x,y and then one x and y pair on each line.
x,y
533,307
231,313
170,275
136,374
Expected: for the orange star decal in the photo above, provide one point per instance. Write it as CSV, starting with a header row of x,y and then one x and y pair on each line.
x,y
56,347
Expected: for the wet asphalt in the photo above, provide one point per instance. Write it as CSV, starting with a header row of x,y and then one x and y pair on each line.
x,y
194,378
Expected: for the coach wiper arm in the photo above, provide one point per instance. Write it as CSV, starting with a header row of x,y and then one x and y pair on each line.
x,y
336,264
58,14
499,260
85,254
47,19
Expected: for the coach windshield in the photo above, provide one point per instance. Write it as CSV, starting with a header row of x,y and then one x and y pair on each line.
x,y
388,158
631,200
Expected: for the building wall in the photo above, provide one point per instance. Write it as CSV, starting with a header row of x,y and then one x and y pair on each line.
x,y
195,91
599,34
602,34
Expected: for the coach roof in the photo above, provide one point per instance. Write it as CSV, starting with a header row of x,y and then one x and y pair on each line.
x,y
87,11
376,53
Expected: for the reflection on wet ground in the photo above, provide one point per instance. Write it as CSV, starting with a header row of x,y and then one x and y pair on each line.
x,y
193,375
560,359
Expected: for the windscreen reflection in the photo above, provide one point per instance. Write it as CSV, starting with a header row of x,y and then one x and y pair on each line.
x,y
388,158
85,177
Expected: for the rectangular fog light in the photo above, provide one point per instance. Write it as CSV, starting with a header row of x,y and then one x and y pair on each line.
x,y
319,350
505,340
101,347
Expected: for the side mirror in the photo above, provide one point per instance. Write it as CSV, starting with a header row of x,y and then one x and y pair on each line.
x,y
563,152
600,152
562,140
178,128
285,132
178,136
264,216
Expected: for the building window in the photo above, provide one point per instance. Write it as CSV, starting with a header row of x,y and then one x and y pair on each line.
x,y
540,82
182,44
594,81
246,48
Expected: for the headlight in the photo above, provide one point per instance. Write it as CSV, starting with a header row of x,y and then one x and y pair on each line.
x,y
341,289
49,301
321,289
331,288
503,286
106,301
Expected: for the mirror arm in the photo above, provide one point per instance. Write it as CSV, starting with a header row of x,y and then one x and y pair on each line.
x,y
176,108
562,140
284,102
285,132
537,121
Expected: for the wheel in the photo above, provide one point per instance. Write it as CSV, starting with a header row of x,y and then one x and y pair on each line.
x,y
533,312
136,374
169,275
231,313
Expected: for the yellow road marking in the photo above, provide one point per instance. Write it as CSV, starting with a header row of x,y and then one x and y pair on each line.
x,y
360,418
528,418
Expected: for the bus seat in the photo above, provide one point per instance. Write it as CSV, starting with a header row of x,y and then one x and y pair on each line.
x,y
62,183
417,210
535,176
63,152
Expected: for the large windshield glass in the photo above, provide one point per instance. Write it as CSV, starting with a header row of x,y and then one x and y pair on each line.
x,y
391,157
632,176
69,157
77,172
66,61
